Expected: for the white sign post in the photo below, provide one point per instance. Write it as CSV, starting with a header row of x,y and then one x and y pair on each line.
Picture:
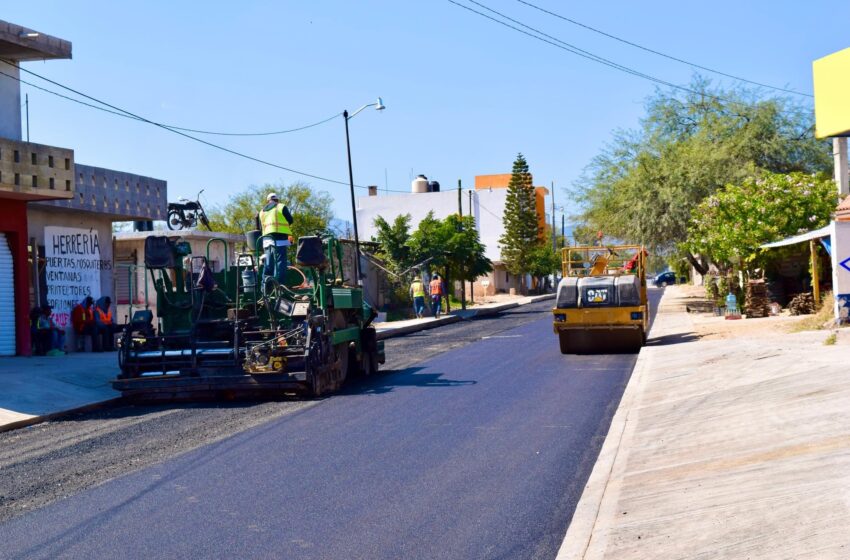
x,y
841,269
72,269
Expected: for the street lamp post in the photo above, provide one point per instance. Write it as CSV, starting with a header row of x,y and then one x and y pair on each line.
x,y
379,106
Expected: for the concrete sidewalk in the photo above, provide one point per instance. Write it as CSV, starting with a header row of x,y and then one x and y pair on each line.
x,y
730,449
39,388
33,389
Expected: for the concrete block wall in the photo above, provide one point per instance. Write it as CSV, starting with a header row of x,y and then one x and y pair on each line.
x,y
122,196
33,171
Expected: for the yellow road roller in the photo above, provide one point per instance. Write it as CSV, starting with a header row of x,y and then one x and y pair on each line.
x,y
601,304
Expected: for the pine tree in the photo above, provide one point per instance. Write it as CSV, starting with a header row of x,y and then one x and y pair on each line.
x,y
520,220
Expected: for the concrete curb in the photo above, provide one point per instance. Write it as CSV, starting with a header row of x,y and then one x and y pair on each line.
x,y
444,320
56,415
462,316
586,537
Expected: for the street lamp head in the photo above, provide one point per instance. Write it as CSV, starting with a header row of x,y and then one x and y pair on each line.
x,y
379,106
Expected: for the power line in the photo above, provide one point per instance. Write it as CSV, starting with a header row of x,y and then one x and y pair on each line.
x,y
128,116
273,133
124,112
563,45
670,57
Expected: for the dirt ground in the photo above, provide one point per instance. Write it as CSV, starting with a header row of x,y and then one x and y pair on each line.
x,y
707,326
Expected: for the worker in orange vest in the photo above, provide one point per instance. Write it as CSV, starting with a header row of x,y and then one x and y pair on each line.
x,y
104,326
82,319
435,289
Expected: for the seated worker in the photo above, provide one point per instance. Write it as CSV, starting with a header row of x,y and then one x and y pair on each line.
x,y
104,326
48,329
82,319
40,338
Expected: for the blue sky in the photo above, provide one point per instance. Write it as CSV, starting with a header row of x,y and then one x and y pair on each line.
x,y
463,94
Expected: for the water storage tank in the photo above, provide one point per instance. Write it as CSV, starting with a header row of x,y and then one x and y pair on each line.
x,y
434,186
419,185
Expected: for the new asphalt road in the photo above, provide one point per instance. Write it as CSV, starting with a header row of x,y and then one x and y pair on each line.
x,y
480,451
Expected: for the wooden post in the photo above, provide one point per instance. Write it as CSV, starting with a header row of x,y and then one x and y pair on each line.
x,y
460,215
815,275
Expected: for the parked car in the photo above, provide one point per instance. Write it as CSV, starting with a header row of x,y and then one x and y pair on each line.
x,y
665,279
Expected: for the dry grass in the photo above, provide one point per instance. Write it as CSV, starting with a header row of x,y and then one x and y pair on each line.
x,y
818,320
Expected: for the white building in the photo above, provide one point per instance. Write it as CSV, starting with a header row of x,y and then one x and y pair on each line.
x,y
487,205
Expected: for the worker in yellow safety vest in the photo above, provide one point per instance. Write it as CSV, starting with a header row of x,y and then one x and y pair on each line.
x,y
417,292
275,221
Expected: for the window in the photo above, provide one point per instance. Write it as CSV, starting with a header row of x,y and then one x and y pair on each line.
x,y
52,184
34,158
126,280
68,165
17,178
35,181
67,184
17,156
507,276
49,161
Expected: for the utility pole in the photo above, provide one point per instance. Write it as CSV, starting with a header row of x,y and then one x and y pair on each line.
x,y
27,103
563,230
554,237
471,282
839,154
460,265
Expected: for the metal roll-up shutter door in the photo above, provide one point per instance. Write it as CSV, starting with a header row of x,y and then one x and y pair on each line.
x,y
7,299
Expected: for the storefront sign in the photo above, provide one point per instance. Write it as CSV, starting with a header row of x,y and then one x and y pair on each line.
x,y
72,269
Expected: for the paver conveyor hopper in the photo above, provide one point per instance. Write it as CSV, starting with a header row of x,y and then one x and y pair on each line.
x,y
601,303
236,332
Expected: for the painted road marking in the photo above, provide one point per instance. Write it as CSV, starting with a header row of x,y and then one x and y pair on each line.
x,y
501,336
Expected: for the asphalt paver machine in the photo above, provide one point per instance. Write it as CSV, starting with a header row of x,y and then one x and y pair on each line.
x,y
601,304
238,333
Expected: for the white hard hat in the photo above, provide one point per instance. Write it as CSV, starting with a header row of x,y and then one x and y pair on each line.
x,y
271,196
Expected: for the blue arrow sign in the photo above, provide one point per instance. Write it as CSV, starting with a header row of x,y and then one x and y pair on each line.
x,y
846,264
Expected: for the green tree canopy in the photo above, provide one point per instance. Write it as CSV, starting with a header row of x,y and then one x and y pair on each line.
x,y
451,244
731,224
544,261
465,257
521,234
311,210
643,187
429,240
394,240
